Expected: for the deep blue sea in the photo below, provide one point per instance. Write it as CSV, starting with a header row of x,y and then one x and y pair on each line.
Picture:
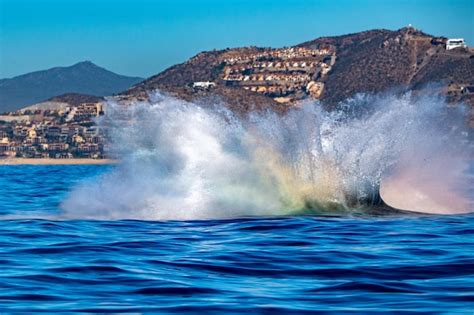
x,y
271,265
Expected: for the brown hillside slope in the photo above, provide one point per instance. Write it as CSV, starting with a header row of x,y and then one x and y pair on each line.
x,y
76,99
378,60
372,61
206,66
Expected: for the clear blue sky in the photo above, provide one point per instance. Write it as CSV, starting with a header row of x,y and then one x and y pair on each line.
x,y
143,37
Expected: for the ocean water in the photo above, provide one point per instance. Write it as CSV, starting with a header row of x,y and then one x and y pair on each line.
x,y
253,265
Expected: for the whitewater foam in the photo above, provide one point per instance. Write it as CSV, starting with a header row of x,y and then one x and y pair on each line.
x,y
182,160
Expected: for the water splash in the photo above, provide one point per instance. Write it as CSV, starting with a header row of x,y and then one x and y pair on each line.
x,y
182,160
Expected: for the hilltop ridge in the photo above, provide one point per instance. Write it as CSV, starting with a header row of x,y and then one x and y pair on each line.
x,y
330,69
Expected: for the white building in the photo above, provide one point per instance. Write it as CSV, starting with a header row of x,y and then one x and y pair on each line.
x,y
455,43
203,85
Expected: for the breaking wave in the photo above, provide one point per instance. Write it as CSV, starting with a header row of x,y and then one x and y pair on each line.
x,y
181,160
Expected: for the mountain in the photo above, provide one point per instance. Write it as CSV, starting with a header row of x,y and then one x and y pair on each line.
x,y
83,77
330,69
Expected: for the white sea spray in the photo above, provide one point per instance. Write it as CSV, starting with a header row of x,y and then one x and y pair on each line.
x,y
181,160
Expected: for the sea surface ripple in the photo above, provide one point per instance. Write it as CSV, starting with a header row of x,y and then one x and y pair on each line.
x,y
256,265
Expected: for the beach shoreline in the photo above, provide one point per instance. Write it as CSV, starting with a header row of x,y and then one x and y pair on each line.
x,y
26,161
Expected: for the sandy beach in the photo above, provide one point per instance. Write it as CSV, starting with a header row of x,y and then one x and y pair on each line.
x,y
23,161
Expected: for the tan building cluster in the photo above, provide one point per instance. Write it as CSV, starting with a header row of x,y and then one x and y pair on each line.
x,y
283,54
57,131
286,74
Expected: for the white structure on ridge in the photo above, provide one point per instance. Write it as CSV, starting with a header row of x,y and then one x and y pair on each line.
x,y
455,43
203,85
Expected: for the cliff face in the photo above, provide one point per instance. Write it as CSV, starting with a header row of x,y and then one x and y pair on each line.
x,y
329,68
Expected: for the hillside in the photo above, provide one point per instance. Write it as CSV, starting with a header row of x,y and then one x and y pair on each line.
x,y
379,60
84,78
207,66
330,69
76,99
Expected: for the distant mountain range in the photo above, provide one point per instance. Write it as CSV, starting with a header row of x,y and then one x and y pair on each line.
x,y
81,78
